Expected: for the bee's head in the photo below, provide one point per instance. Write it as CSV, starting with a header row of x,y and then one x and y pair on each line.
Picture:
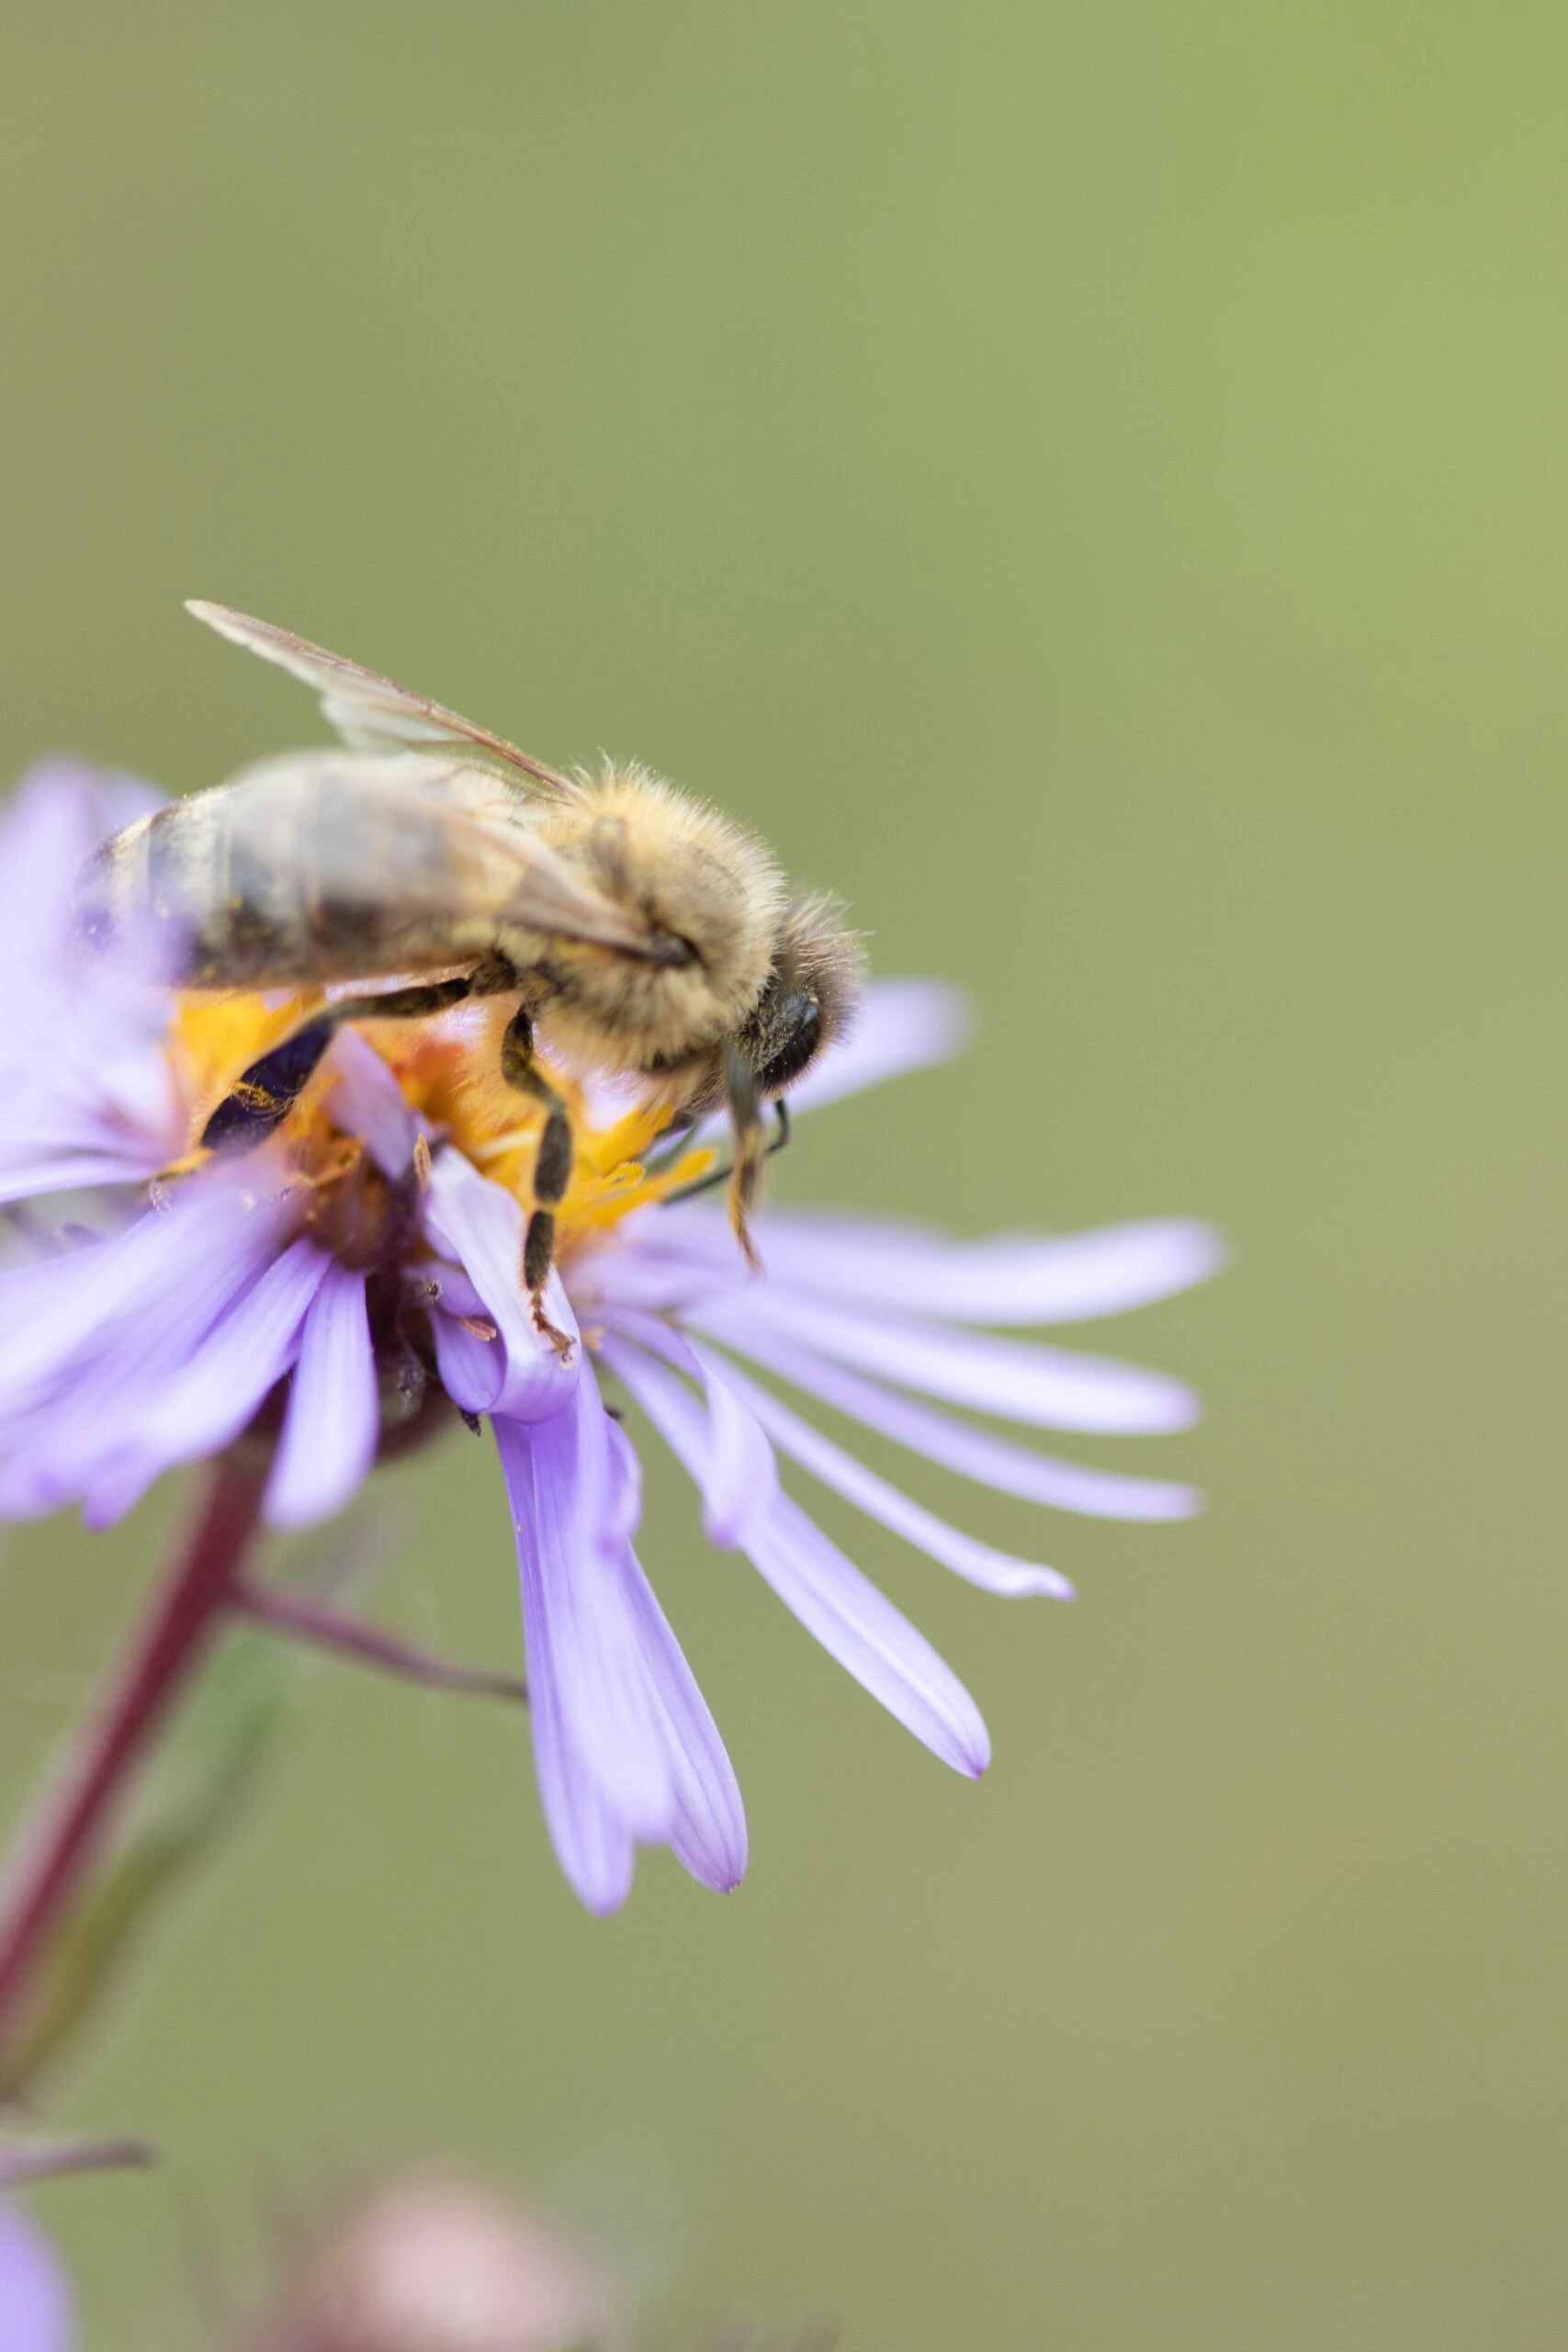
x,y
813,985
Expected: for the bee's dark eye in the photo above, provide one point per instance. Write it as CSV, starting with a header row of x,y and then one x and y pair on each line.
x,y
788,1042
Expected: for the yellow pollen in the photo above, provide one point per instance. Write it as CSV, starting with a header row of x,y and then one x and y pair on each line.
x,y
449,1069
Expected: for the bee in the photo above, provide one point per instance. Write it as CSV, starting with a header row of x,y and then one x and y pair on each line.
x,y
639,932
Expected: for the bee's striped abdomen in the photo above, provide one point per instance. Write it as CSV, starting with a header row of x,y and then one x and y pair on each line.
x,y
308,869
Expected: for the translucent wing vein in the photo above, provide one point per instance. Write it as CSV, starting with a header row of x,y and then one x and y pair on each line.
x,y
373,714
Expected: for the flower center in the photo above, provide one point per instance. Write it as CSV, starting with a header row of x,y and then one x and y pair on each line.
x,y
448,1071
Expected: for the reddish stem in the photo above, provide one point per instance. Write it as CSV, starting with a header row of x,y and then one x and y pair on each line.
x,y
166,1646
302,1618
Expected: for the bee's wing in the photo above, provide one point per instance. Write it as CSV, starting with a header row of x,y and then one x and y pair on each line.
x,y
398,836
372,714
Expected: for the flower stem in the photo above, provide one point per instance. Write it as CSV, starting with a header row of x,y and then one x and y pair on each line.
x,y
55,1851
300,1618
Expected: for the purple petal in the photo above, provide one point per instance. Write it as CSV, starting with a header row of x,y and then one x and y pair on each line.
x,y
205,1406
125,1317
51,1310
744,1481
474,1221
707,1824
89,1093
861,1628
741,1474
593,1843
667,1260
253,1346
1005,1279
991,1461
330,1429
365,1099
66,1445
35,2301
54,819
977,1563
832,1599
1010,1377
473,1371
707,1828
626,1749
566,1513
452,1288
80,1171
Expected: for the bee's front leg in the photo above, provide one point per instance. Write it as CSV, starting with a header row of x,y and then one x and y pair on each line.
x,y
744,1098
552,1167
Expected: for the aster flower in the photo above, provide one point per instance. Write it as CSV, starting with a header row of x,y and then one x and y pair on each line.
x,y
357,1277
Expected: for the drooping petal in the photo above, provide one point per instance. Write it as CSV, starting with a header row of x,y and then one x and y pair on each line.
x,y
706,1826
35,2301
472,1368
854,1621
1005,1279
977,1563
472,1220
558,1478
974,1453
708,1823
1011,1377
447,1285
626,1749
333,1422
593,1842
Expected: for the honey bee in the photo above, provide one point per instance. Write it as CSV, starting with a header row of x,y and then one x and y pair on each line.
x,y
639,932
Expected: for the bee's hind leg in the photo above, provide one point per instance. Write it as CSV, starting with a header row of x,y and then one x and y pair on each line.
x,y
552,1168
263,1095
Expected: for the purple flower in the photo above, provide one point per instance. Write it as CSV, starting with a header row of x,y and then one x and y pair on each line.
x,y
35,2303
365,1263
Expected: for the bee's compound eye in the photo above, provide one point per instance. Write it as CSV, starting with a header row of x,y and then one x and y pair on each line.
x,y
792,1035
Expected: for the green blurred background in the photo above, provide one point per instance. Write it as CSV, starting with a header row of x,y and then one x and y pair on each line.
x,y
1091,484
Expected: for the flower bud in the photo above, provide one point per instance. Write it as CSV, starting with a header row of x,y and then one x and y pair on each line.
x,y
438,2263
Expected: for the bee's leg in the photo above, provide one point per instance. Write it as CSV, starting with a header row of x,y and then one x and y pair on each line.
x,y
263,1096
745,1103
552,1168
717,1176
